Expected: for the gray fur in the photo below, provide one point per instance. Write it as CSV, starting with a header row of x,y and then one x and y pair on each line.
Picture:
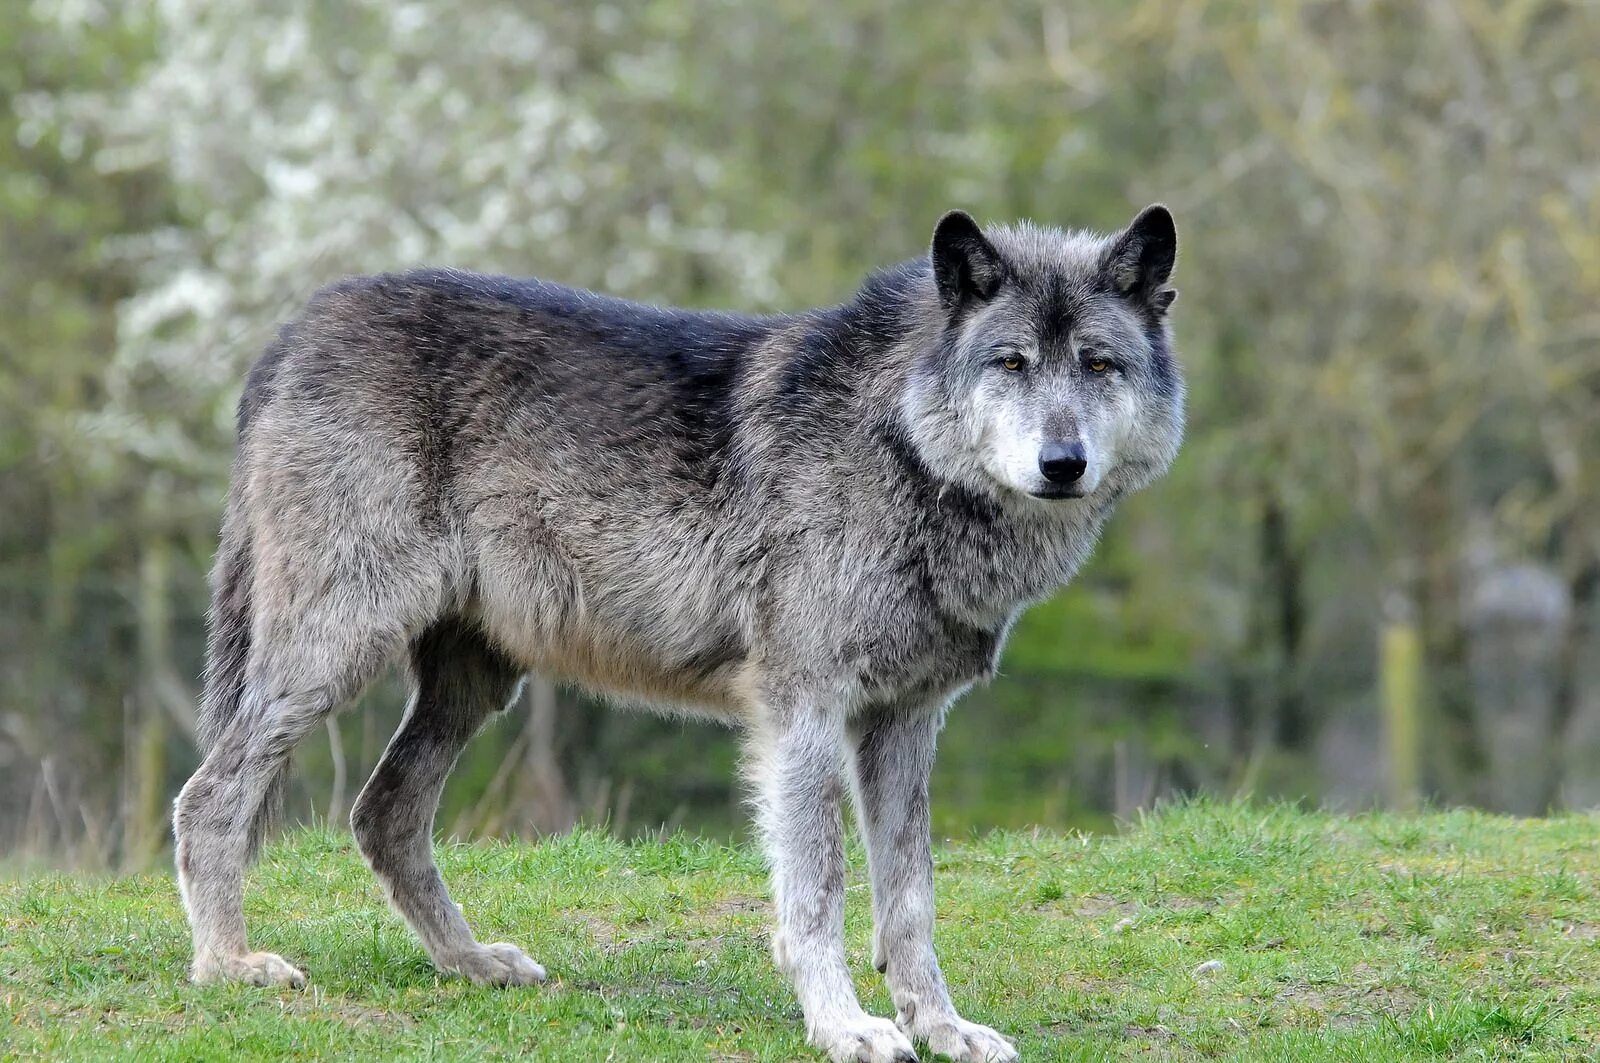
x,y
818,527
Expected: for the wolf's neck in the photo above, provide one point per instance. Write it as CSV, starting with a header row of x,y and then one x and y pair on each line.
x,y
985,563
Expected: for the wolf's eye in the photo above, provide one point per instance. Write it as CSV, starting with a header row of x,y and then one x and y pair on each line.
x,y
1012,363
1096,364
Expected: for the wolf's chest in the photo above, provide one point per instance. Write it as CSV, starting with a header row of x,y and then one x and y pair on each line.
x,y
930,657
985,578
945,622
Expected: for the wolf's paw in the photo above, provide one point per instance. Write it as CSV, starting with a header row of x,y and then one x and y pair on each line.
x,y
499,964
865,1040
955,1038
255,968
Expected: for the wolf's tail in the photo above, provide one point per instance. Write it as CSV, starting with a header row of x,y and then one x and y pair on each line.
x,y
228,653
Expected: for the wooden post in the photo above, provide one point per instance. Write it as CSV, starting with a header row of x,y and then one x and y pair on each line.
x,y
1400,689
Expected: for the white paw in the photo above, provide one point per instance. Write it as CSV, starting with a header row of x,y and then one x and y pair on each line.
x,y
497,964
955,1038
864,1040
255,968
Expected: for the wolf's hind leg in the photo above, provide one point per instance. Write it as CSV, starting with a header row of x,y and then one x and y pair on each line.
x,y
461,681
290,688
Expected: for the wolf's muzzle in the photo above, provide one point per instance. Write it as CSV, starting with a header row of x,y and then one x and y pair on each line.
x,y
1062,462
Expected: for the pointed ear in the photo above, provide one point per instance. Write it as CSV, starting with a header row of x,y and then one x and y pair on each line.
x,y
965,265
1140,258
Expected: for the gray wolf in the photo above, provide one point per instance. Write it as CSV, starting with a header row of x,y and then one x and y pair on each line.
x,y
818,527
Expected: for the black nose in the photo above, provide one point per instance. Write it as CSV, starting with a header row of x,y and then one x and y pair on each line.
x,y
1062,463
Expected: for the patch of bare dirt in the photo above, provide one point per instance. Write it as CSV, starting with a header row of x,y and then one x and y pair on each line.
x,y
736,905
1352,1003
1099,904
349,1012
1187,904
603,932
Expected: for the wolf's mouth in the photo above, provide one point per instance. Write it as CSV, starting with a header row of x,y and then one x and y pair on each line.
x,y
1054,493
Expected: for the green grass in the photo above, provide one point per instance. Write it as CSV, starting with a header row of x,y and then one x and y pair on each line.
x,y
1455,935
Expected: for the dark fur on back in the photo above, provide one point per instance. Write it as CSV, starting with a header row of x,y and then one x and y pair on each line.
x,y
464,347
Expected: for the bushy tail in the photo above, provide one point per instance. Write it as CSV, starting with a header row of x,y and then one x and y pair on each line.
x,y
227,655
227,638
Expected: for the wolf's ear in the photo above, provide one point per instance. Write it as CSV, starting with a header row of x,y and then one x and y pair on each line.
x,y
965,264
1140,258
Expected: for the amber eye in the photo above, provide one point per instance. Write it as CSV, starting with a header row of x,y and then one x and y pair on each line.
x,y
1012,363
1096,365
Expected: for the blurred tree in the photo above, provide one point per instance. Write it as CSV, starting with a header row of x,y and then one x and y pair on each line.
x,y
73,518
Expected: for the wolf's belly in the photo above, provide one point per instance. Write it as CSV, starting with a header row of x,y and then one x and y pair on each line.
x,y
682,652
632,670
600,603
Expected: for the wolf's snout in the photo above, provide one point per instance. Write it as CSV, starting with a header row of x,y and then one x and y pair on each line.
x,y
1062,462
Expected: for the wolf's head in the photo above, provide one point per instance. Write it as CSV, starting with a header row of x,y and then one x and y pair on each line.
x,y
1052,377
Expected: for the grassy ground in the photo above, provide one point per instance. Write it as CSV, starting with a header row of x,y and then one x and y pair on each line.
x,y
1208,930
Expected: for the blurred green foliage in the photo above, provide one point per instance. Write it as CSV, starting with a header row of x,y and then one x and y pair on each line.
x,y
1390,275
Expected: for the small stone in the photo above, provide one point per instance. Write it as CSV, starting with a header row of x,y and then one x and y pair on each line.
x,y
1122,925
1210,967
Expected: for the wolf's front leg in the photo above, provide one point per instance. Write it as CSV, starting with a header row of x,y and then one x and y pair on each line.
x,y
892,759
796,770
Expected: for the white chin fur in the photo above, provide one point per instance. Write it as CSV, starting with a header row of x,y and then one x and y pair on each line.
x,y
1031,483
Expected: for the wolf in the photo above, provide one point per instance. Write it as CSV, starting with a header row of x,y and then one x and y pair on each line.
x,y
818,527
